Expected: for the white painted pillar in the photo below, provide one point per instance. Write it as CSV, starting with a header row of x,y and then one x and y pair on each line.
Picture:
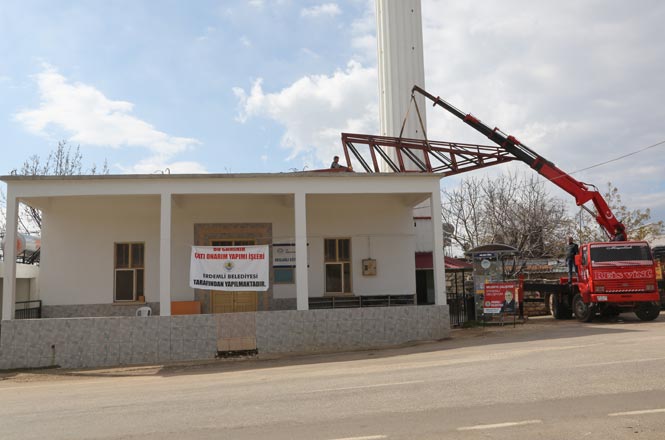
x,y
437,252
302,289
9,281
165,256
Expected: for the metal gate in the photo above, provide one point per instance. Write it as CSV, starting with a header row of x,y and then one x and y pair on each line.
x,y
461,307
28,309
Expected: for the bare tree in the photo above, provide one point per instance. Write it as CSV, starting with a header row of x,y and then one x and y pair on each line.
x,y
511,209
63,161
463,208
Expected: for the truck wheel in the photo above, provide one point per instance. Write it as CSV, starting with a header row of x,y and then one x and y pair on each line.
x,y
556,307
583,312
647,311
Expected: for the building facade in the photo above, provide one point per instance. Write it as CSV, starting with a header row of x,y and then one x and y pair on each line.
x,y
112,244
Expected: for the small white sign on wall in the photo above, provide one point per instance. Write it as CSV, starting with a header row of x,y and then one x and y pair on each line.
x,y
284,255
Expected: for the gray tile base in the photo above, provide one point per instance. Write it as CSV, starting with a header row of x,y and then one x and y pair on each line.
x,y
108,341
95,310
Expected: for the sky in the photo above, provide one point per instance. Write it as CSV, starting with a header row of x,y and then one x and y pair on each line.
x,y
268,85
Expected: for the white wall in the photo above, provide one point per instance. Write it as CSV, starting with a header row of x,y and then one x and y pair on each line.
x,y
380,227
78,237
189,210
26,282
22,270
79,234
424,234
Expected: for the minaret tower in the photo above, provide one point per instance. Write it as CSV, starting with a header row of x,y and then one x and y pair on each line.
x,y
401,65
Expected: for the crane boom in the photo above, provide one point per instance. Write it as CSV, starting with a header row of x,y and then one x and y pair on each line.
x,y
582,192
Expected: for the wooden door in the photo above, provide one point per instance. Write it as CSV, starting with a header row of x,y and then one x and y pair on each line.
x,y
245,301
222,302
231,302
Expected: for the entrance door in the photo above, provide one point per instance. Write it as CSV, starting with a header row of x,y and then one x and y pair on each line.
x,y
231,302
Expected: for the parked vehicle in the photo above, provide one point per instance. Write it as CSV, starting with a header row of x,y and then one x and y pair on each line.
x,y
659,256
614,277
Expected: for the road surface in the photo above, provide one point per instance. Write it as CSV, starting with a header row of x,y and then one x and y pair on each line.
x,y
546,379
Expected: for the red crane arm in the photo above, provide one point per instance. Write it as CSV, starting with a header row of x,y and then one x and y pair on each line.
x,y
582,192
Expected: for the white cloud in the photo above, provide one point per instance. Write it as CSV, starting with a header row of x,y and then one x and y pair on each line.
x,y
363,35
91,119
366,44
325,9
576,85
315,109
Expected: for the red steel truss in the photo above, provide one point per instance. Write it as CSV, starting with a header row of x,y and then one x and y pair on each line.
x,y
419,156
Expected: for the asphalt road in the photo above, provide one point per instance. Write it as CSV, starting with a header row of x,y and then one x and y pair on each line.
x,y
546,379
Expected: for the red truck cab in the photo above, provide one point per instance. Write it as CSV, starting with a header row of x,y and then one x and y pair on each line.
x,y
615,277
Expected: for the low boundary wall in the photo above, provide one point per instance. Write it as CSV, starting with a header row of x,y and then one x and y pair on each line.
x,y
96,310
110,341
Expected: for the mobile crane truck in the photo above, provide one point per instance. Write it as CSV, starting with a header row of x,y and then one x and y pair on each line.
x,y
613,277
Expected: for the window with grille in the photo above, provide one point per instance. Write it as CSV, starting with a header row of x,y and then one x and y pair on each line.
x,y
337,260
129,271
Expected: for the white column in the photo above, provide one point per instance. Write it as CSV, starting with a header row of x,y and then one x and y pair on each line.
x,y
165,256
302,292
437,252
9,281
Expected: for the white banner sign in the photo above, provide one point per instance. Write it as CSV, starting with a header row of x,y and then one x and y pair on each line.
x,y
233,268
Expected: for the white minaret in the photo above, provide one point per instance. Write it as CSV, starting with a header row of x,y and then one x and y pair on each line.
x,y
401,65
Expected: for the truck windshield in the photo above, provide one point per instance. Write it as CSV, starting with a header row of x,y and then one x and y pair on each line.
x,y
637,254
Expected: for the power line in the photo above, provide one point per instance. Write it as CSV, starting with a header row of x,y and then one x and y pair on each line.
x,y
620,157
632,153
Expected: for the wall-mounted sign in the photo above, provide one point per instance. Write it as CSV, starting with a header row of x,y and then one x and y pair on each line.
x,y
369,267
284,255
232,268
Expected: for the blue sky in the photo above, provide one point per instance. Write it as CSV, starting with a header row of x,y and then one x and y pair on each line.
x,y
173,67
267,86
